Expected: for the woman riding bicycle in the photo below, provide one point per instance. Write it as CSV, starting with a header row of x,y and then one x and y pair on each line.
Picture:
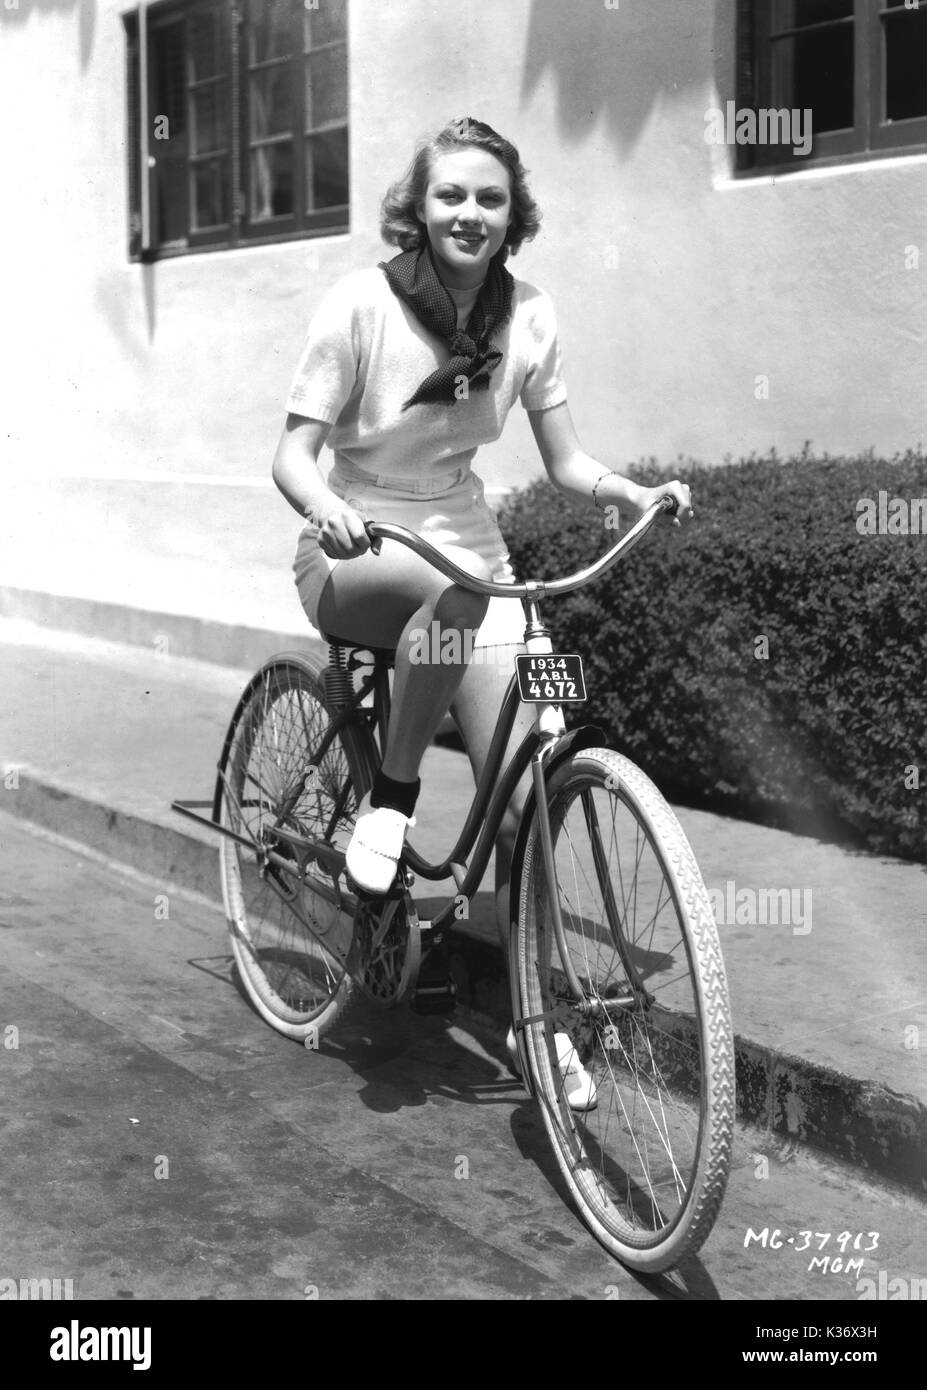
x,y
408,367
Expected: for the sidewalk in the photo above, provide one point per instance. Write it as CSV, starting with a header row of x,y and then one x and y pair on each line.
x,y
830,1012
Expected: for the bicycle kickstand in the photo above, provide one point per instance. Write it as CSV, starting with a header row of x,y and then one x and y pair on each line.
x,y
435,991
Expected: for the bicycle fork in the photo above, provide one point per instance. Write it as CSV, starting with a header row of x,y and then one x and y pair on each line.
x,y
552,728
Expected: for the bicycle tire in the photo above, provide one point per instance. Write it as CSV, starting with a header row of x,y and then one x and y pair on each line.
x,y
660,1057
297,985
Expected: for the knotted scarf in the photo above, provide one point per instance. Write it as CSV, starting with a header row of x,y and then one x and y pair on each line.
x,y
413,278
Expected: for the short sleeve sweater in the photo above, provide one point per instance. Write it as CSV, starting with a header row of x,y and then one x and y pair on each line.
x,y
365,354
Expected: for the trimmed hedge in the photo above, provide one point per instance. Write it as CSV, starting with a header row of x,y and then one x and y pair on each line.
x,y
817,737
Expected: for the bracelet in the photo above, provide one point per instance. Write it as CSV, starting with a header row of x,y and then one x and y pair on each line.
x,y
612,473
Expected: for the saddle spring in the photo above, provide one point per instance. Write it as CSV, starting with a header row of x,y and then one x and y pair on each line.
x,y
339,681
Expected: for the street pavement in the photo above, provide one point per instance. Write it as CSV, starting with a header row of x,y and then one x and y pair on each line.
x,y
161,1141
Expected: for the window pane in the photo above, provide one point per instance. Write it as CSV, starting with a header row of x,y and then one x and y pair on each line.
x,y
210,194
205,44
208,118
327,24
272,181
797,14
906,65
271,29
326,170
271,102
171,199
326,87
815,71
169,94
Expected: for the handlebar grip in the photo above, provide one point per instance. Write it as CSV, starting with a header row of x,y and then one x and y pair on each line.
x,y
376,542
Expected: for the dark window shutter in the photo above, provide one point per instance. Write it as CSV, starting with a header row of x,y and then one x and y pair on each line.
x,y
745,77
133,143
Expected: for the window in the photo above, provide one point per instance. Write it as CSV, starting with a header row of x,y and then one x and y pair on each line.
x,y
244,105
859,67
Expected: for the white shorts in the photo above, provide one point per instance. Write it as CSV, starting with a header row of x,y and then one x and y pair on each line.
x,y
447,509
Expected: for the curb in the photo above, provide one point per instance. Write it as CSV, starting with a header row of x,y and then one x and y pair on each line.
x,y
879,1131
202,639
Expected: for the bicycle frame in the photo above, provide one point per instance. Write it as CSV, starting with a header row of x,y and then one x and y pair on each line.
x,y
494,790
540,749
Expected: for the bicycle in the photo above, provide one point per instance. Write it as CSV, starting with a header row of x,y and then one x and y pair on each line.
x,y
612,943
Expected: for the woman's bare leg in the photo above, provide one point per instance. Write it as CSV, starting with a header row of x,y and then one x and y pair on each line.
x,y
382,600
389,600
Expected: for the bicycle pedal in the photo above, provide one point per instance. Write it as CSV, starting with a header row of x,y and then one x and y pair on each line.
x,y
396,893
437,998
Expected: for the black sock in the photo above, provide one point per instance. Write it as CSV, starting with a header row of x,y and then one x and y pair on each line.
x,y
398,796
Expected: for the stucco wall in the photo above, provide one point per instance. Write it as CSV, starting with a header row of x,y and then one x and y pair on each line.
x,y
676,286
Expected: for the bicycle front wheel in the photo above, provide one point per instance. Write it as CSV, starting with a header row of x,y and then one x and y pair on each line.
x,y
291,922
634,991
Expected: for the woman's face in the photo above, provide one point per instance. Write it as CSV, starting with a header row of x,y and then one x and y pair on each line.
x,y
467,209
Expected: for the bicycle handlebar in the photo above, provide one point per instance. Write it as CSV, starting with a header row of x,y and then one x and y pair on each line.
x,y
379,531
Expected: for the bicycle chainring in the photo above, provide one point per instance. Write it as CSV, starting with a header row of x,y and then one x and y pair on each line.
x,y
386,949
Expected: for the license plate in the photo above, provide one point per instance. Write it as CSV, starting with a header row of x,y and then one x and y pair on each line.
x,y
550,680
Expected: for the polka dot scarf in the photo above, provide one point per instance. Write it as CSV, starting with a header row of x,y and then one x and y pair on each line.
x,y
413,278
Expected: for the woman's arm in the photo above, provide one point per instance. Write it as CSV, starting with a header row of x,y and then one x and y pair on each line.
x,y
298,476
572,470
296,471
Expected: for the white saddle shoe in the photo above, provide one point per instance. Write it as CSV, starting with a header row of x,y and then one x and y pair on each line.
x,y
579,1087
376,846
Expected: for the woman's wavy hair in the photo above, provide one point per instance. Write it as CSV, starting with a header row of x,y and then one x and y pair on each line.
x,y
400,224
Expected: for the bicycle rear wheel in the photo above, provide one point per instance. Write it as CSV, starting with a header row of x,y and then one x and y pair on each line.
x,y
291,921
638,986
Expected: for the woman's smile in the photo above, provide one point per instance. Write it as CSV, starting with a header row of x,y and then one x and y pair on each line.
x,y
469,240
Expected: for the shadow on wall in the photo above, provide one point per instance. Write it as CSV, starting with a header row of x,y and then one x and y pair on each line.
x,y
616,62
13,12
115,307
